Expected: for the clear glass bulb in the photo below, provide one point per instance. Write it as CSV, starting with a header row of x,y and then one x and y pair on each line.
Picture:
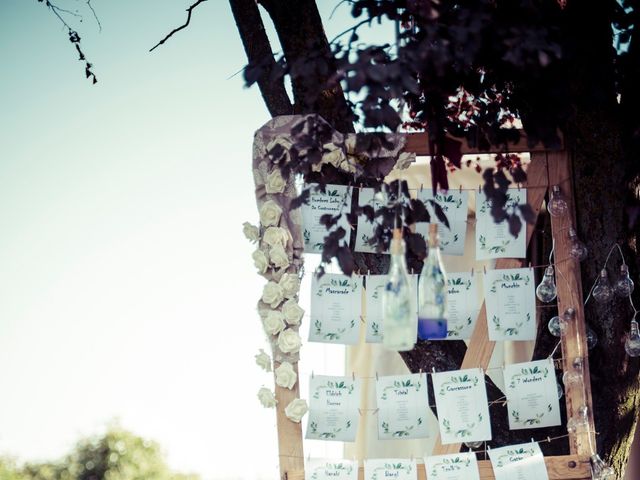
x,y
592,338
432,292
571,377
555,326
546,291
632,343
399,321
624,285
473,444
560,390
577,250
600,470
580,420
603,293
557,205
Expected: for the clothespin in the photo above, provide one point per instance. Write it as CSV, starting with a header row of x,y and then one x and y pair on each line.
x,y
360,412
433,369
421,188
484,267
518,186
530,266
353,376
312,375
460,189
548,440
362,319
377,377
308,457
531,439
479,188
472,270
375,412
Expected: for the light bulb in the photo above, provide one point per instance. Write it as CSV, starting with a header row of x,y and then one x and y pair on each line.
x,y
580,420
632,343
577,249
600,470
571,378
556,326
546,291
603,293
624,285
592,338
473,444
557,205
560,390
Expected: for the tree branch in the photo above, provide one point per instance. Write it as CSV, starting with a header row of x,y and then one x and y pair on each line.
x,y
181,27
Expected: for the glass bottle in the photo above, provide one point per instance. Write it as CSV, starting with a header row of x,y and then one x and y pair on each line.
x,y
432,292
399,320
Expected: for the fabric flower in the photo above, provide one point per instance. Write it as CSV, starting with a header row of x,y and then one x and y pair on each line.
x,y
290,284
286,376
296,410
270,213
334,154
267,398
272,294
278,256
273,322
260,261
276,236
263,360
286,145
289,341
292,312
405,160
251,232
275,183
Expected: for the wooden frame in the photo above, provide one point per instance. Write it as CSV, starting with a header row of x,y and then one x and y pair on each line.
x,y
546,168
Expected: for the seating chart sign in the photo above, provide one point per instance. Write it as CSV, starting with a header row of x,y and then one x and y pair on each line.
x,y
510,300
463,410
518,462
455,207
456,466
463,305
390,468
333,408
335,309
318,469
335,199
493,240
375,285
403,405
365,227
532,395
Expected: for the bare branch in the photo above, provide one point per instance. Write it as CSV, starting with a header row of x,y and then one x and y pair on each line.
x,y
95,16
177,29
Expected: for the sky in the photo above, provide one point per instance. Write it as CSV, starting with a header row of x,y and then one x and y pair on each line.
x,y
127,291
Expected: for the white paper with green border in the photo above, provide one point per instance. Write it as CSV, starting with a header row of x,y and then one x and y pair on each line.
x,y
324,469
532,394
333,408
335,199
454,203
455,466
336,303
463,305
518,462
365,229
403,406
463,409
510,299
390,469
493,240
374,287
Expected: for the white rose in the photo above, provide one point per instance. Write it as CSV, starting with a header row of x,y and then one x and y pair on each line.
x,y
276,236
275,182
350,143
272,294
279,257
286,376
405,160
289,341
285,143
260,261
273,322
290,284
266,397
296,410
334,154
251,232
263,361
270,213
292,312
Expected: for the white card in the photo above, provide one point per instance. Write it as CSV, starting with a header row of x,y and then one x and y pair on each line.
x,y
365,227
532,395
456,466
463,305
463,410
455,206
390,469
336,199
335,309
510,299
493,240
375,285
403,406
518,462
320,469
333,408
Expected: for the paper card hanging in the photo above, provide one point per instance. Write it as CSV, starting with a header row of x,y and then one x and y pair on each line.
x,y
493,240
365,228
335,200
403,406
521,462
455,206
333,408
335,309
455,466
532,395
390,468
374,286
510,299
324,469
463,409
463,305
